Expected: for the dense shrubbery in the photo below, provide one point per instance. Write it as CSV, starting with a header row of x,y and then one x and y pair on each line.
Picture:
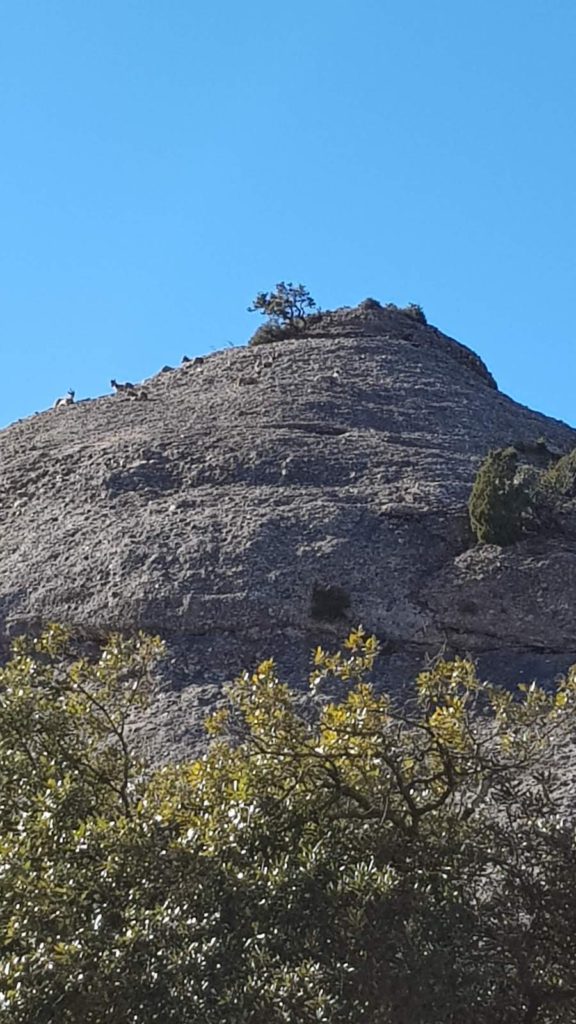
x,y
561,477
378,864
414,311
270,332
499,504
509,499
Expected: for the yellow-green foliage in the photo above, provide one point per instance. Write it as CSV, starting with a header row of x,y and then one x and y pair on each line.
x,y
499,506
561,477
374,862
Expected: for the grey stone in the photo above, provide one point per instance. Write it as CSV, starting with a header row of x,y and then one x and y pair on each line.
x,y
226,517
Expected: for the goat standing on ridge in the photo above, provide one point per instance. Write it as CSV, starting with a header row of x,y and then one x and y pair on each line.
x,y
68,399
118,388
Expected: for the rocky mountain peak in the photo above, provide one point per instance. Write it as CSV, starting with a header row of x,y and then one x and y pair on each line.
x,y
267,498
390,322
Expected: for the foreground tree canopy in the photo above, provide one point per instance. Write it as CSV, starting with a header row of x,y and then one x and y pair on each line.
x,y
370,862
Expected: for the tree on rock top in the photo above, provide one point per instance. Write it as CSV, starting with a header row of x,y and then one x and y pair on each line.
x,y
286,305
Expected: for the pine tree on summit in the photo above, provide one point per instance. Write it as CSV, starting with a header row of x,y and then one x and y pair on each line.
x,y
286,305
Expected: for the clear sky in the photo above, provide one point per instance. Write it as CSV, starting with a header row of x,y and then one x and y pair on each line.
x,y
161,161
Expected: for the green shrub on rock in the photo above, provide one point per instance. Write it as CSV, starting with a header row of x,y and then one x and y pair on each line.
x,y
560,479
414,311
499,505
270,332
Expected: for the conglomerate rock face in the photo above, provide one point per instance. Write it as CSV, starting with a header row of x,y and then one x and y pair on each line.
x,y
269,498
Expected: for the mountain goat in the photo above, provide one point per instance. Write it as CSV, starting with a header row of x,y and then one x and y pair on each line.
x,y
68,399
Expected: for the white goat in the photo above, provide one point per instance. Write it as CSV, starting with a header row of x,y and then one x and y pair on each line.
x,y
66,400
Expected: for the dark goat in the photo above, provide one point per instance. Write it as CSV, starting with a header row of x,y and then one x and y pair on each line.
x,y
118,388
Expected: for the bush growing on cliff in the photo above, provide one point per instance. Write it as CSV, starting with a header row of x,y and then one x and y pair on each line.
x,y
414,311
560,479
499,505
378,863
270,332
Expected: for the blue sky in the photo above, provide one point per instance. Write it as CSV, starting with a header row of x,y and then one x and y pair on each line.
x,y
161,162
